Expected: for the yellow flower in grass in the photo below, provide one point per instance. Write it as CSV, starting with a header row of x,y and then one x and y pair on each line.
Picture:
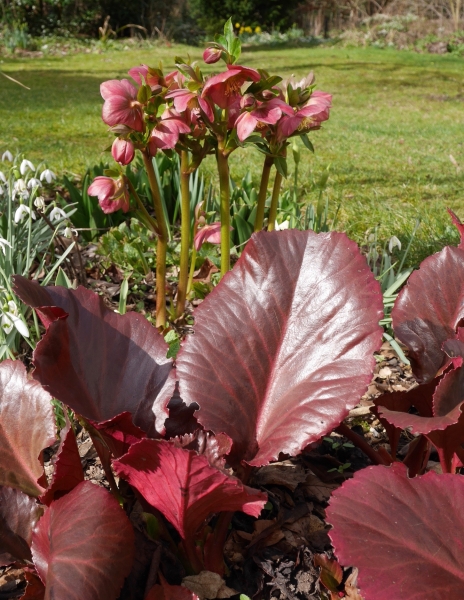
x,y
248,29
237,25
258,29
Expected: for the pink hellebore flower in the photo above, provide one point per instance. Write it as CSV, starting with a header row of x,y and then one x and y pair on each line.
x,y
121,105
123,151
223,89
166,134
112,194
208,233
313,113
185,99
264,113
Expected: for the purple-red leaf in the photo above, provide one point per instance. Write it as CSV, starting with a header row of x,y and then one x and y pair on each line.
x,y
98,362
283,347
164,591
18,516
428,311
183,486
119,433
27,426
83,546
404,535
67,466
35,589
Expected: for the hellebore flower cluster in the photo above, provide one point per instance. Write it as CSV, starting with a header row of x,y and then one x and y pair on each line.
x,y
194,115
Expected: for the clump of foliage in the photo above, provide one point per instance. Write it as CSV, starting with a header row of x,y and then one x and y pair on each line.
x,y
287,339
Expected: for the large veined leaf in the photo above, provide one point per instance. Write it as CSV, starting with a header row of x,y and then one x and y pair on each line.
x,y
404,535
164,591
184,486
98,362
18,515
27,426
68,472
83,546
283,347
428,310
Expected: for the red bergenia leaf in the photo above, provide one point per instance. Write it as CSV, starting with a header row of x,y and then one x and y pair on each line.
x,y
83,546
68,468
35,589
447,399
18,516
165,591
98,362
459,226
27,426
183,486
119,433
429,309
404,535
283,347
214,447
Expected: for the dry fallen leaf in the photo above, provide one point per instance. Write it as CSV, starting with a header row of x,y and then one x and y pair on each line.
x,y
208,586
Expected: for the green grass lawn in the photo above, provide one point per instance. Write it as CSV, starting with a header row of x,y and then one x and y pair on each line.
x,y
396,119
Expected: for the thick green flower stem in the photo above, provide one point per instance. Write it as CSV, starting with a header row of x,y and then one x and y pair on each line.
x,y
274,201
268,162
224,186
184,234
161,246
192,271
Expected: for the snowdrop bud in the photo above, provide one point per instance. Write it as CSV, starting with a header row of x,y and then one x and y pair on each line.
x,y
39,203
394,241
7,325
26,165
57,214
33,183
7,156
68,232
2,177
12,306
48,175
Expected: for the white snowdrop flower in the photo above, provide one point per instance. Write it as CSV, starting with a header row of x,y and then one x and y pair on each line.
x,y
18,323
21,211
33,183
2,177
282,226
48,175
4,243
7,156
57,214
20,185
13,308
26,166
394,241
39,203
7,325
68,232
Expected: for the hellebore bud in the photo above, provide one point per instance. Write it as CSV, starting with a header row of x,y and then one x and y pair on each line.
x,y
212,55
